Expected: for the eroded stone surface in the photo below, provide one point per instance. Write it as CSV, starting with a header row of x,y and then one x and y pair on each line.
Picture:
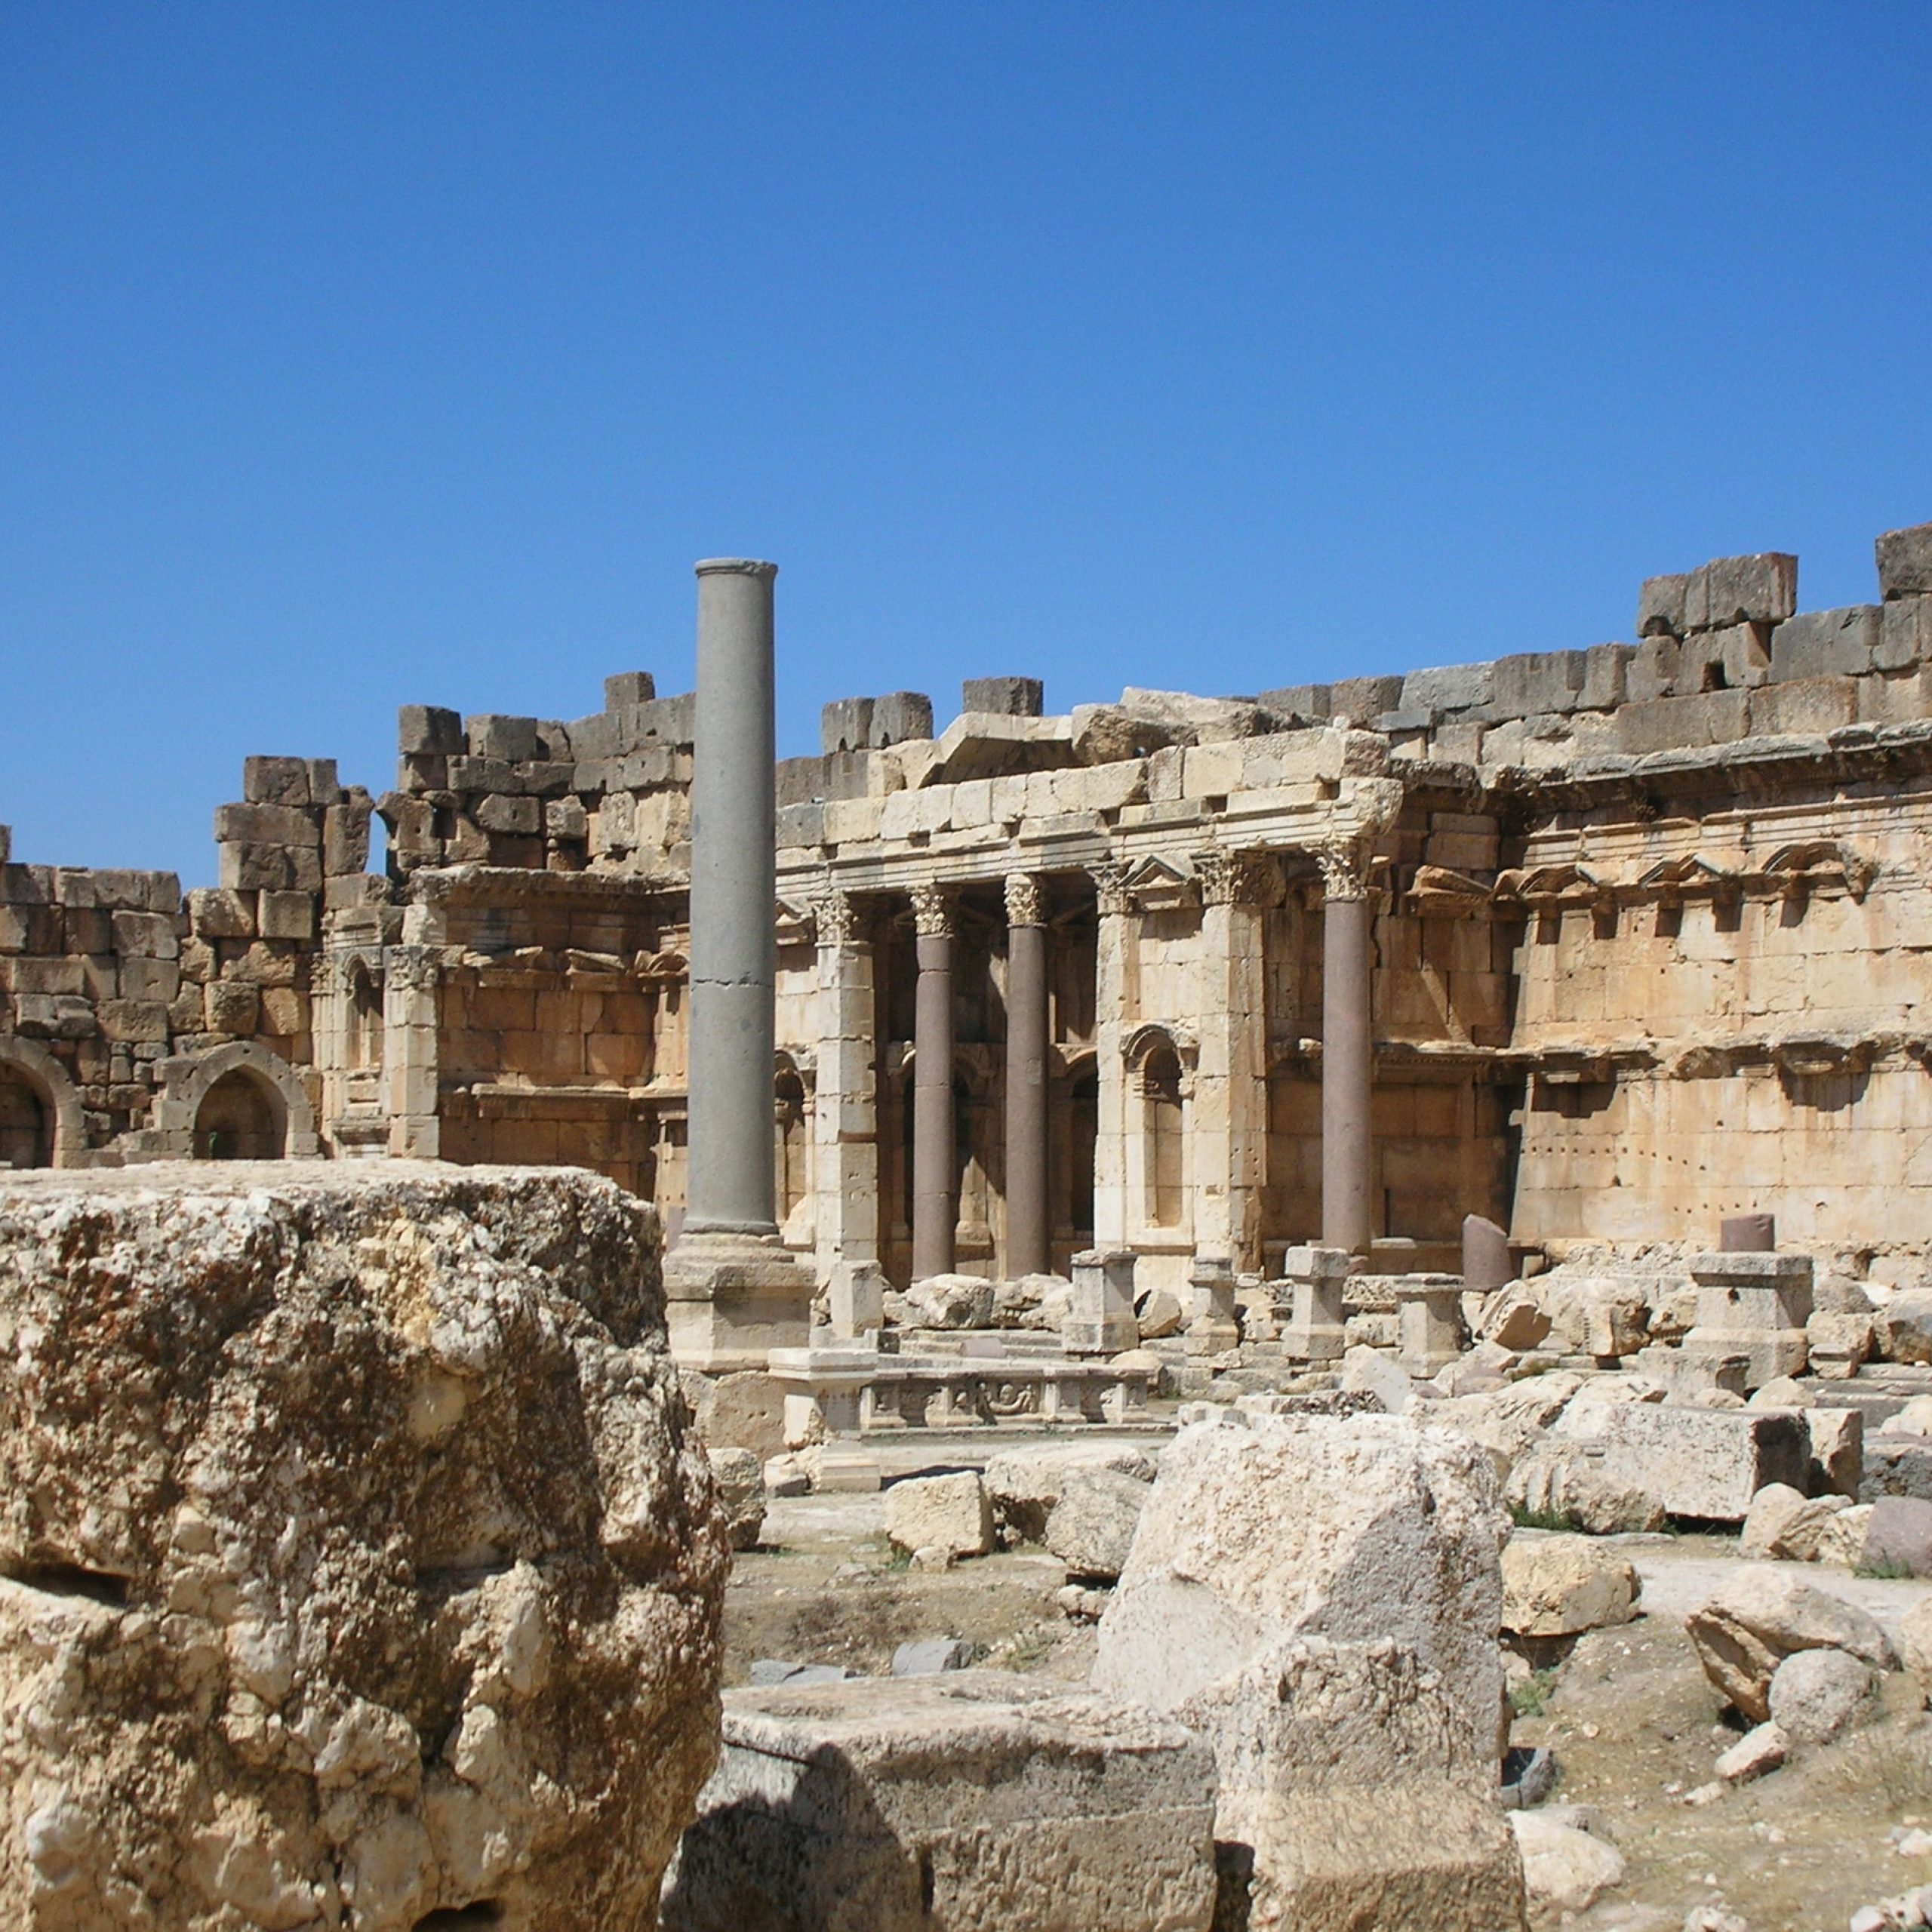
x,y
357,1563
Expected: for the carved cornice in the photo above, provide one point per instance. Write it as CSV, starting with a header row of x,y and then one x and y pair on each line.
x,y
932,911
1023,903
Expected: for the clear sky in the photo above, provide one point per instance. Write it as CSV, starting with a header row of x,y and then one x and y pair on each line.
x,y
355,354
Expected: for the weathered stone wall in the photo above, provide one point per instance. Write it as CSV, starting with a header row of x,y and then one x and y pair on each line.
x,y
355,1562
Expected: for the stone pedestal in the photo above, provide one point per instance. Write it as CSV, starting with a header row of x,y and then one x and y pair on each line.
x,y
1315,1279
1752,1305
1215,1328
1102,1322
830,1385
730,1298
1429,1313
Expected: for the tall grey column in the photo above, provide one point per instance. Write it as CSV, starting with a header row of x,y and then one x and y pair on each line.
x,y
734,888
1348,1063
935,1212
1027,1251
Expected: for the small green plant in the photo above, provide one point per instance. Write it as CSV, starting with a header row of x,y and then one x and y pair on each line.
x,y
1527,1518
896,1558
1531,1699
1028,1651
1885,1569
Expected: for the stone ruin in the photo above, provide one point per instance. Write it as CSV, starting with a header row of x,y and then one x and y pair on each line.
x,y
357,1568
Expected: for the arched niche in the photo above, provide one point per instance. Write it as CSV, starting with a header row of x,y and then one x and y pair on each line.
x,y
256,1086
59,1134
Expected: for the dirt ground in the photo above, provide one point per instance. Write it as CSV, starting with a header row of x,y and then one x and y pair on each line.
x,y
1633,1721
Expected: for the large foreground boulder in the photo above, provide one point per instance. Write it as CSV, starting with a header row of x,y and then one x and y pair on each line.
x,y
1320,1597
359,1569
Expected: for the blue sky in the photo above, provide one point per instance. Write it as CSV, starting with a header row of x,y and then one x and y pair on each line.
x,y
359,355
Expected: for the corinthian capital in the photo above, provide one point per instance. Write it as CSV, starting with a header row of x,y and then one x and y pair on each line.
x,y
932,911
834,918
1231,879
1344,871
1109,879
1022,900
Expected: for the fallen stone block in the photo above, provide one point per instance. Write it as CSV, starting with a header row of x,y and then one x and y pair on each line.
x,y
740,1476
1024,1484
949,1513
1090,1527
1696,1461
1905,1328
1897,1466
1562,1586
1756,1619
1915,1643
334,1499
974,1798
1563,1865
1369,1529
1568,1485
931,1655
950,1301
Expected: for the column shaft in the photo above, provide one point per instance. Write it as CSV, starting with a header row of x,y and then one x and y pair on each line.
x,y
1026,1222
1115,1008
935,1212
733,952
1348,1070
845,1112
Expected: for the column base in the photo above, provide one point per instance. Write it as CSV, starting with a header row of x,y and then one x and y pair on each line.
x,y
730,1299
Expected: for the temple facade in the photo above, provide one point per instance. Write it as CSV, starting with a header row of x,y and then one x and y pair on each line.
x,y
1603,944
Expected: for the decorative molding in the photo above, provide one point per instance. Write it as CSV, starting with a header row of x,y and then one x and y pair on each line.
x,y
932,911
1234,878
413,969
1024,900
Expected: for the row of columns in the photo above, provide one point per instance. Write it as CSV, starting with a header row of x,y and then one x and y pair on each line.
x,y
1231,1122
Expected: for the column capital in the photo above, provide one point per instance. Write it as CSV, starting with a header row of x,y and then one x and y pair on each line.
x,y
932,910
1344,870
1233,878
1110,877
1024,900
412,969
834,918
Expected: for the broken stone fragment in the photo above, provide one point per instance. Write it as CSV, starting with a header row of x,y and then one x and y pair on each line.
x,y
1562,1586
949,1513
1756,1619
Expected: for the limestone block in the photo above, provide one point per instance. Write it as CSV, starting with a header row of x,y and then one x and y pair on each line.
x,y
266,825
492,735
1905,561
1562,1586
231,1006
1904,634
1665,724
1757,1618
950,1301
1559,1482
1539,680
1905,1327
429,730
1511,1421
950,1512
1825,643
213,914
1361,699
1024,1485
336,1503
1752,1306
1368,1528
899,717
1696,1462
1736,590
1564,1866
1515,1319
1185,719
1837,1439
1836,1345
277,781
970,1798
1808,708
1915,1643
1090,1527
1660,605
1008,697
623,687
287,915
1448,688
1898,1536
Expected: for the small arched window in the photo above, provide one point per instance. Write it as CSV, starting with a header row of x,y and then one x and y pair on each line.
x,y
789,1141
